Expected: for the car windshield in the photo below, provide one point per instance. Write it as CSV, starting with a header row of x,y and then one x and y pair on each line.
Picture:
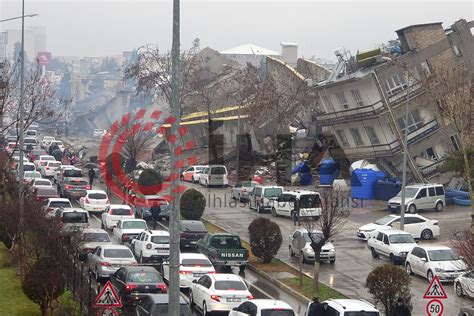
x,y
162,310
42,182
218,170
362,313
249,184
309,201
72,173
46,191
95,237
78,182
46,158
120,211
160,239
272,192
277,312
30,141
118,253
199,168
384,220
144,277
402,239
442,255
75,217
29,167
32,175
54,164
64,204
134,225
409,192
193,226
97,196
196,262
226,242
37,152
316,236
230,285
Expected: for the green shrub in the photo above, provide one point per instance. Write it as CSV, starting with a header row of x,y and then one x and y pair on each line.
x,y
193,204
265,238
150,181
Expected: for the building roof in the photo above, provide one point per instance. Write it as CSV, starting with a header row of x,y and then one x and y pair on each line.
x,y
249,49
417,25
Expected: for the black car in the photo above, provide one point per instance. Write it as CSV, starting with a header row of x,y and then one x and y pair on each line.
x,y
134,283
191,232
157,304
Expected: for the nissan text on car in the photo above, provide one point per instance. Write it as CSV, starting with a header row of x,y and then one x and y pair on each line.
x,y
420,197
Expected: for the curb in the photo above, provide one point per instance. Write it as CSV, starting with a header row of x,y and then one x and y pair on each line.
x,y
282,286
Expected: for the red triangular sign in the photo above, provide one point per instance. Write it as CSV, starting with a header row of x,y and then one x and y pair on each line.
x,y
435,289
107,297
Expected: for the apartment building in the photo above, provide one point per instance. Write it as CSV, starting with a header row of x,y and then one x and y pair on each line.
x,y
363,101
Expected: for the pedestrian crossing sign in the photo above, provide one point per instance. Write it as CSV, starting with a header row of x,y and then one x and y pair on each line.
x,y
107,297
435,289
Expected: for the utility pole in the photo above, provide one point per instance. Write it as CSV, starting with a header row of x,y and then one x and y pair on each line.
x,y
21,174
174,293
237,153
404,166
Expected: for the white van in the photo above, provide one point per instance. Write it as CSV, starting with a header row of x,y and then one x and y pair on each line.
x,y
261,198
420,197
214,175
309,201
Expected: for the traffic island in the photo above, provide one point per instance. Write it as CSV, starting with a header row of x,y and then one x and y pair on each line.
x,y
282,275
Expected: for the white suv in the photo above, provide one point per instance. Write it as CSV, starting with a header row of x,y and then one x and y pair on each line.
x,y
345,307
151,245
420,197
261,197
309,201
214,175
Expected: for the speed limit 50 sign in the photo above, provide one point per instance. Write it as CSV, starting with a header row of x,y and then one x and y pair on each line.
x,y
435,308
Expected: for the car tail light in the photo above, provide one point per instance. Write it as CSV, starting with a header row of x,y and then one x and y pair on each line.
x,y
211,272
250,297
88,187
262,200
131,212
61,225
125,237
69,186
135,263
163,288
105,264
46,168
129,287
108,201
184,272
148,246
215,298
244,190
50,209
86,200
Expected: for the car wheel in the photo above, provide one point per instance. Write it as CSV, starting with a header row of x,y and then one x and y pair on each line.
x,y
191,299
290,252
426,234
439,206
258,208
408,269
274,213
374,253
412,209
303,257
459,291
332,261
204,309
429,276
392,259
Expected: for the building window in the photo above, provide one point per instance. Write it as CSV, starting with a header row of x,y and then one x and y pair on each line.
x,y
414,121
455,142
342,137
425,65
395,83
357,98
430,153
356,136
342,100
328,104
372,135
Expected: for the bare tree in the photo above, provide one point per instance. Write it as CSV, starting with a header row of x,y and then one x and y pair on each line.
x,y
463,245
330,223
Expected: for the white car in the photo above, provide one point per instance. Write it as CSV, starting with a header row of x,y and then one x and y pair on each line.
x,y
115,212
108,258
98,132
431,260
127,229
192,266
52,204
27,166
241,190
309,201
261,197
417,225
420,197
218,292
348,307
29,176
214,175
263,307
58,143
41,161
46,141
40,182
60,170
192,173
151,245
49,168
391,243
31,141
94,201
464,284
328,252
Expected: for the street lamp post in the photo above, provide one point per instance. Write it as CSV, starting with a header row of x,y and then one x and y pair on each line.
x,y
404,166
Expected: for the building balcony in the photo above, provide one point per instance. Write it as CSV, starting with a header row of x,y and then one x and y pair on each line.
x,y
354,114
399,97
392,148
433,169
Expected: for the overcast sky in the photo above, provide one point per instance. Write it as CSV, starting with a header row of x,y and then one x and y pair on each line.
x,y
108,27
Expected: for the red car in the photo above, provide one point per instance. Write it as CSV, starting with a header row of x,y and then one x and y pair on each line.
x,y
43,193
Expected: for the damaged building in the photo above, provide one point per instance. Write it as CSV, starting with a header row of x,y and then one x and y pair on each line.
x,y
362,103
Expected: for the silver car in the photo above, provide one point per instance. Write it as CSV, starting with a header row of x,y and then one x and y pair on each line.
x,y
106,259
241,190
91,238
